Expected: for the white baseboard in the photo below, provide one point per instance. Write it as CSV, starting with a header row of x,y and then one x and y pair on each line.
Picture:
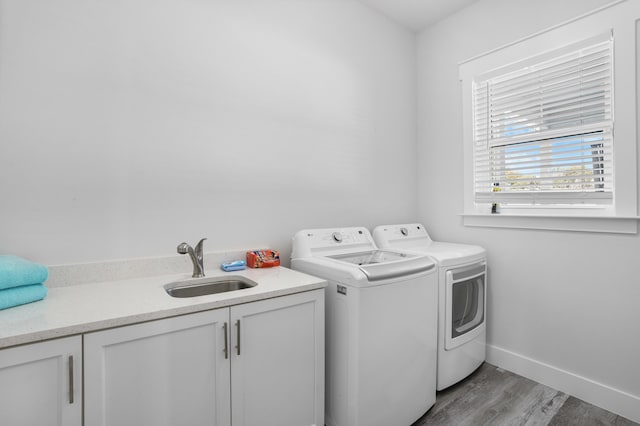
x,y
611,399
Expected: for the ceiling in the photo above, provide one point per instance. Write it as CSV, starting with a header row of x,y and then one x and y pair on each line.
x,y
417,14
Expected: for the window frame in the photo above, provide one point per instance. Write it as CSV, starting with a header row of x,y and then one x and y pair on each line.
x,y
621,215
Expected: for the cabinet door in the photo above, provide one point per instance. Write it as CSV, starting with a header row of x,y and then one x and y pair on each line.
x,y
40,383
277,365
160,373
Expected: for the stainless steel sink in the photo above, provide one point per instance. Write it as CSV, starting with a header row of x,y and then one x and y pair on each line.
x,y
204,286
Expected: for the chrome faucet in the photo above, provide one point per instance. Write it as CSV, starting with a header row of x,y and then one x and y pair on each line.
x,y
196,257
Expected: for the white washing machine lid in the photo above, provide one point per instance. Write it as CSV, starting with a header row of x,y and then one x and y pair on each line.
x,y
370,257
350,273
414,237
379,265
349,255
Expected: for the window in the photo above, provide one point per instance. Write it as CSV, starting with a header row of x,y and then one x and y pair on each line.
x,y
539,116
543,133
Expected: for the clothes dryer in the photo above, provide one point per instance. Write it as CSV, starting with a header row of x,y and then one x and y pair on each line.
x,y
381,326
462,296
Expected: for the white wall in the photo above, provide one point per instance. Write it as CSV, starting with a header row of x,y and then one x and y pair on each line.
x,y
128,126
562,306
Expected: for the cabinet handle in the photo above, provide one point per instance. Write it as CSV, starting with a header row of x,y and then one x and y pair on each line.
x,y
226,340
238,337
70,379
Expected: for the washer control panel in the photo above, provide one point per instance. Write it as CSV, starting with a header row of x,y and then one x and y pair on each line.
x,y
307,241
346,236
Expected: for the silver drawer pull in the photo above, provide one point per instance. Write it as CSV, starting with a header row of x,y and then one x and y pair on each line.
x,y
238,337
70,379
226,340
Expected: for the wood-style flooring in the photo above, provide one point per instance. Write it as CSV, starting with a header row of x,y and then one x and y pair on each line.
x,y
496,397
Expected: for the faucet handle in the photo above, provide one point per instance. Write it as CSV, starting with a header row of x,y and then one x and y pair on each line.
x,y
198,248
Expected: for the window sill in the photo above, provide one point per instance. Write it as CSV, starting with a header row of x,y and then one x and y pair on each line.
x,y
607,224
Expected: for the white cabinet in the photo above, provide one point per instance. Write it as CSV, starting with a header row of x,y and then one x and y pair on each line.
x,y
277,373
260,363
41,383
161,373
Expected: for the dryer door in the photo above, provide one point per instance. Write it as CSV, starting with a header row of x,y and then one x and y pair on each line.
x,y
465,304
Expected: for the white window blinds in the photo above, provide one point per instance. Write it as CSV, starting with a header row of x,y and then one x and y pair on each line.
x,y
543,130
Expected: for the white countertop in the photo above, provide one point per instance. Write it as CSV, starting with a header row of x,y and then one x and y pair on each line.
x,y
84,308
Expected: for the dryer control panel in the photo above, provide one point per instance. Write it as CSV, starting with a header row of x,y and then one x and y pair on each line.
x,y
406,236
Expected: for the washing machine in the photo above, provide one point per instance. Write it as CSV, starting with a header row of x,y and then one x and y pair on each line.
x,y
381,326
462,297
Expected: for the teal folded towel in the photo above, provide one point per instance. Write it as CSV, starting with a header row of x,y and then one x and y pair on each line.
x,y
16,271
20,295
